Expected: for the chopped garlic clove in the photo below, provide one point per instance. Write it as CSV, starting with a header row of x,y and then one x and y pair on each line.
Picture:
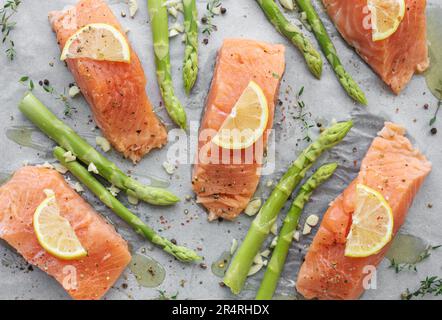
x,y
312,220
173,12
265,253
103,143
296,236
253,207
92,168
258,259
287,4
169,167
78,187
69,157
73,91
307,229
133,7
60,168
255,269
173,33
113,190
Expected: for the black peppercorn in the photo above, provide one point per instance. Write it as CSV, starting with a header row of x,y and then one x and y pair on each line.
x,y
433,131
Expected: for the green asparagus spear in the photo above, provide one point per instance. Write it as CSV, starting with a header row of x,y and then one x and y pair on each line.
x,y
261,225
330,52
294,34
160,32
35,111
276,264
190,67
181,253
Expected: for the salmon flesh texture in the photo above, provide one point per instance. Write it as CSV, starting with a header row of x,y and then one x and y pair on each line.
x,y
108,254
395,59
395,169
114,90
225,189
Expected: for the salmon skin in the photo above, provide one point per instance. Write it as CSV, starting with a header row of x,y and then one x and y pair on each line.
x,y
226,189
394,59
108,255
114,90
395,169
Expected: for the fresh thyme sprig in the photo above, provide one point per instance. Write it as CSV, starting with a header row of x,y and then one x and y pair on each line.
x,y
439,104
6,12
59,96
303,116
398,267
213,8
46,86
431,285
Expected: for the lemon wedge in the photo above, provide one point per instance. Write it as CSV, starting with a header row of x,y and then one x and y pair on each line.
x,y
386,16
54,232
97,41
372,226
246,122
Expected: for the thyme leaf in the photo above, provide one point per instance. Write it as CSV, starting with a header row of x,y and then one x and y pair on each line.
x,y
213,8
430,285
303,116
6,25
433,120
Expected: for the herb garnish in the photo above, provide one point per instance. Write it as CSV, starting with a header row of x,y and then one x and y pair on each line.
x,y
163,296
431,285
6,12
28,82
213,8
59,96
303,116
439,104
398,267
46,86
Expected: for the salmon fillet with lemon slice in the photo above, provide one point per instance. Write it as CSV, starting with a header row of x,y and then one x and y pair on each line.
x,y
114,90
393,168
225,189
107,253
398,57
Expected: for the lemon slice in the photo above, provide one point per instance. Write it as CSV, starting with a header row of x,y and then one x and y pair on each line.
x,y
97,41
54,233
386,15
372,226
246,122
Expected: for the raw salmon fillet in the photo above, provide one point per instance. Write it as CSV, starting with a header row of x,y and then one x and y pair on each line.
x,y
226,189
396,58
395,169
114,90
108,255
